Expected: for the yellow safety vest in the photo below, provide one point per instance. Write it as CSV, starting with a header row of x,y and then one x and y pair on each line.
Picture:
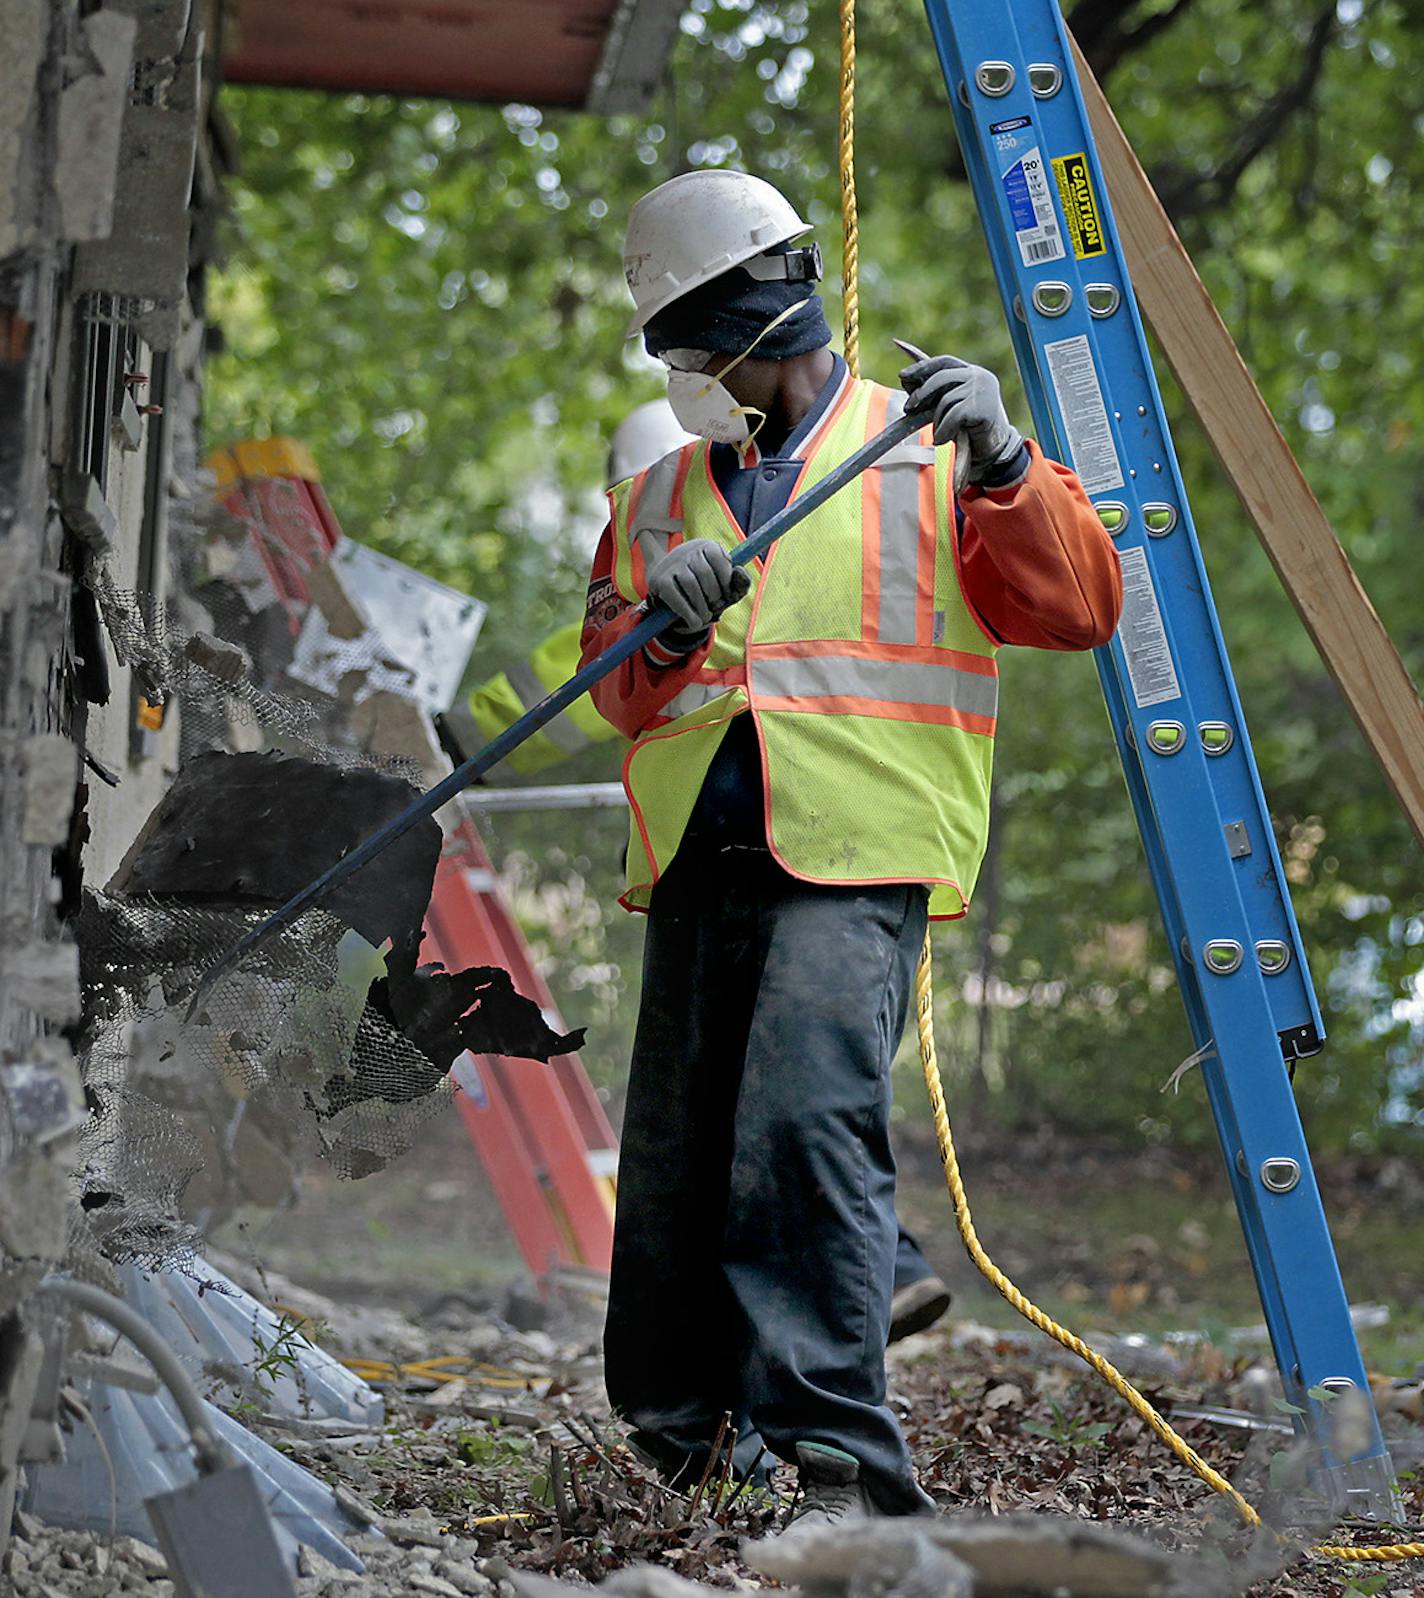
x,y
873,687
501,700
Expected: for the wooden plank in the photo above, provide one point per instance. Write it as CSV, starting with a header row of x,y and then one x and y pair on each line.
x,y
1313,568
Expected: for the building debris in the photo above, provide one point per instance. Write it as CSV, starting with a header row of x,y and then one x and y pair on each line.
x,y
44,978
51,770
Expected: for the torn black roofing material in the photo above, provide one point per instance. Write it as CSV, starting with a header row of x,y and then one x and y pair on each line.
x,y
251,829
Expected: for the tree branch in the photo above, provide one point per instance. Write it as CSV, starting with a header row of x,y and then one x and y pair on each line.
x,y
1186,195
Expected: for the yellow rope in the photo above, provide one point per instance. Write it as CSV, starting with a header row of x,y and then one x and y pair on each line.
x,y
850,222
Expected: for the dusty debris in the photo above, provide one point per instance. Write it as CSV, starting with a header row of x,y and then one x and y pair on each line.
x,y
32,1206
327,590
26,24
51,767
91,113
227,662
1011,1556
465,1503
893,1558
253,829
43,977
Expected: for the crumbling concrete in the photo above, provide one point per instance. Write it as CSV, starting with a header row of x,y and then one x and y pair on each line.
x,y
24,26
144,258
91,114
51,770
82,467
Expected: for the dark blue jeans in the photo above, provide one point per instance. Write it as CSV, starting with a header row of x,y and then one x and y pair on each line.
x,y
754,1253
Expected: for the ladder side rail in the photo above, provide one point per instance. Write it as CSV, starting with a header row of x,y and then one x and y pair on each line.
x,y
1234,776
1257,1244
1046,426
461,919
515,956
509,1161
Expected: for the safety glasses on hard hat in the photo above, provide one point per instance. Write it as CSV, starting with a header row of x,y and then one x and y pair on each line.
x,y
787,266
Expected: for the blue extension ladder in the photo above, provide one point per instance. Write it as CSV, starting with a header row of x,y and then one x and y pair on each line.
x,y
1170,693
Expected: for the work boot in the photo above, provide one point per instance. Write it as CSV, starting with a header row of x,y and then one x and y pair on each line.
x,y
917,1305
829,1490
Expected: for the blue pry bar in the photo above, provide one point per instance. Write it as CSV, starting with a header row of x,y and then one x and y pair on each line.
x,y
658,619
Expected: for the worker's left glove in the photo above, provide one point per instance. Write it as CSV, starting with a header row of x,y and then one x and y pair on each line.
x,y
965,403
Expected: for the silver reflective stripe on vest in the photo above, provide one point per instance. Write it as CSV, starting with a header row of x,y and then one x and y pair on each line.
x,y
561,731
894,682
909,450
899,536
693,697
655,523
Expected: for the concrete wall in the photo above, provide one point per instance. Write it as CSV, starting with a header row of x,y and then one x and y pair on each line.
x,y
103,172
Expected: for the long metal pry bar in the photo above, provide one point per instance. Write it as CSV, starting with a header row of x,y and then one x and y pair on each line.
x,y
658,619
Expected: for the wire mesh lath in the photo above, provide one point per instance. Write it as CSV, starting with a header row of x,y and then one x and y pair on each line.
x,y
286,1061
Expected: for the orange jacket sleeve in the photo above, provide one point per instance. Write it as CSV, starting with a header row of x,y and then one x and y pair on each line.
x,y
632,695
1036,564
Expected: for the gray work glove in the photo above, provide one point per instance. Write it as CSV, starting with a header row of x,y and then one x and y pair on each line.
x,y
696,581
966,405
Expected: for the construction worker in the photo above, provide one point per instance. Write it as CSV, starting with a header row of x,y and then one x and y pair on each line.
x,y
808,781
644,436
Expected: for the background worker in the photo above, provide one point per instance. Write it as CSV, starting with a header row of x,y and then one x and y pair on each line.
x,y
644,436
809,780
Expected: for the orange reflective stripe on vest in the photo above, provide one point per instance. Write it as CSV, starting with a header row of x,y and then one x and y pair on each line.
x,y
654,519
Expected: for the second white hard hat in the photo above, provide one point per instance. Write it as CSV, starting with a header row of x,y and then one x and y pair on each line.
x,y
693,228
642,437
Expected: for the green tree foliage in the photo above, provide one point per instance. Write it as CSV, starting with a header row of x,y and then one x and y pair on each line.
x,y
429,295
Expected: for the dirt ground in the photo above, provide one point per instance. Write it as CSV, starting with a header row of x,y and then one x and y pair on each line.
x,y
999,1419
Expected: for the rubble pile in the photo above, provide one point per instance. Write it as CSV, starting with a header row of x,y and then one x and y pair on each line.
x,y
497,1471
46,1562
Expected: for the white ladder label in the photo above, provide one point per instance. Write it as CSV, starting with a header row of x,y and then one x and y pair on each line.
x,y
1142,635
1026,189
1085,417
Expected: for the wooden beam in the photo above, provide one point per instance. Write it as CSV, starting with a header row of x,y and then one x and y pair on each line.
x,y
1313,568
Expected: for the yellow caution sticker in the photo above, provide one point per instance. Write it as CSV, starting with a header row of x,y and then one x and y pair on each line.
x,y
1080,206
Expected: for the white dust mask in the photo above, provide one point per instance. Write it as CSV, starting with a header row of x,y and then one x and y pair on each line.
x,y
704,405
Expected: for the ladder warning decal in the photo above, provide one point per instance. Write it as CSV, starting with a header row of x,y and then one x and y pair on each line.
x,y
1080,206
1142,635
1085,417
1027,191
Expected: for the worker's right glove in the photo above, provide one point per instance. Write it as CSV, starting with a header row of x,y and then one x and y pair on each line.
x,y
696,581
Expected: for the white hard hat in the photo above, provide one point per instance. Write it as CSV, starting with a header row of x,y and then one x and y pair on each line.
x,y
693,228
642,437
